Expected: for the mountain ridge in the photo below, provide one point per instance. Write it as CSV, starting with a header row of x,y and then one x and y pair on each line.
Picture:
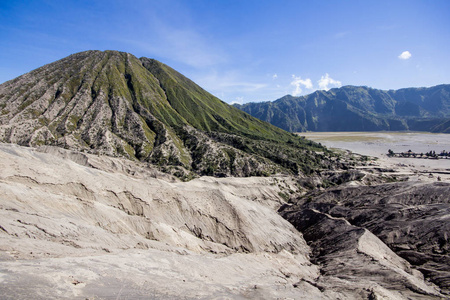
x,y
358,108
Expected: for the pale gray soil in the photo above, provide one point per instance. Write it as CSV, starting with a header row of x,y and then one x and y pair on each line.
x,y
81,226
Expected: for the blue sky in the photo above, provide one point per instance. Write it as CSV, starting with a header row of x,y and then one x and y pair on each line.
x,y
246,50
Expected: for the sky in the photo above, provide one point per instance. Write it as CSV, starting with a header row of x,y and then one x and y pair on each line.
x,y
242,51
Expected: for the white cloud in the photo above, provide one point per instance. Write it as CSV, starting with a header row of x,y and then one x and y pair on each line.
x,y
326,81
239,100
405,55
274,76
298,82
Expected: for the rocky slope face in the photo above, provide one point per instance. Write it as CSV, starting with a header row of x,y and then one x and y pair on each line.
x,y
352,108
409,217
77,225
443,127
116,104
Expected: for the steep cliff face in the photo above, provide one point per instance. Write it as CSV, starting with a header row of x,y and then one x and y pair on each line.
x,y
116,104
353,108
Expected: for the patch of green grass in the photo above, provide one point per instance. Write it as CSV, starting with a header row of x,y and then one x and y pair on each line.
x,y
284,196
43,121
73,122
128,149
184,154
26,103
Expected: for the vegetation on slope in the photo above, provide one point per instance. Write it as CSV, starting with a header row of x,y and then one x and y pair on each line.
x,y
116,104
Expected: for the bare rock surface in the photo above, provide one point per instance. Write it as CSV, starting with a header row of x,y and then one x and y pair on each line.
x,y
68,230
82,226
412,218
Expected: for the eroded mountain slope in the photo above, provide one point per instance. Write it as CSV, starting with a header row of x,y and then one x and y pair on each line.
x,y
116,104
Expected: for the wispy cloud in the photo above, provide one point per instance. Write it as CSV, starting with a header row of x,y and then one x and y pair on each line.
x,y
405,55
187,44
183,46
341,35
240,85
229,81
298,82
326,81
192,48
274,76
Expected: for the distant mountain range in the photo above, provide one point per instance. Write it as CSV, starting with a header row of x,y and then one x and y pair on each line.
x,y
116,104
359,108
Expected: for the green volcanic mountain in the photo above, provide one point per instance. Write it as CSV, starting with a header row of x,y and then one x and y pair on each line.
x,y
352,108
116,104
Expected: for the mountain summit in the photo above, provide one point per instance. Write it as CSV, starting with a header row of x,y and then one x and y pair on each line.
x,y
116,104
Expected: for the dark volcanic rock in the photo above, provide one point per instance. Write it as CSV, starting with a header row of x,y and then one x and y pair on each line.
x,y
411,218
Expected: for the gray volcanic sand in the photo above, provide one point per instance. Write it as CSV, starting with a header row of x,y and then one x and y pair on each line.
x,y
78,226
81,226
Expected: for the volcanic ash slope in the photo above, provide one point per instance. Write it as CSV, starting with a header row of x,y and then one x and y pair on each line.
x,y
69,229
76,225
